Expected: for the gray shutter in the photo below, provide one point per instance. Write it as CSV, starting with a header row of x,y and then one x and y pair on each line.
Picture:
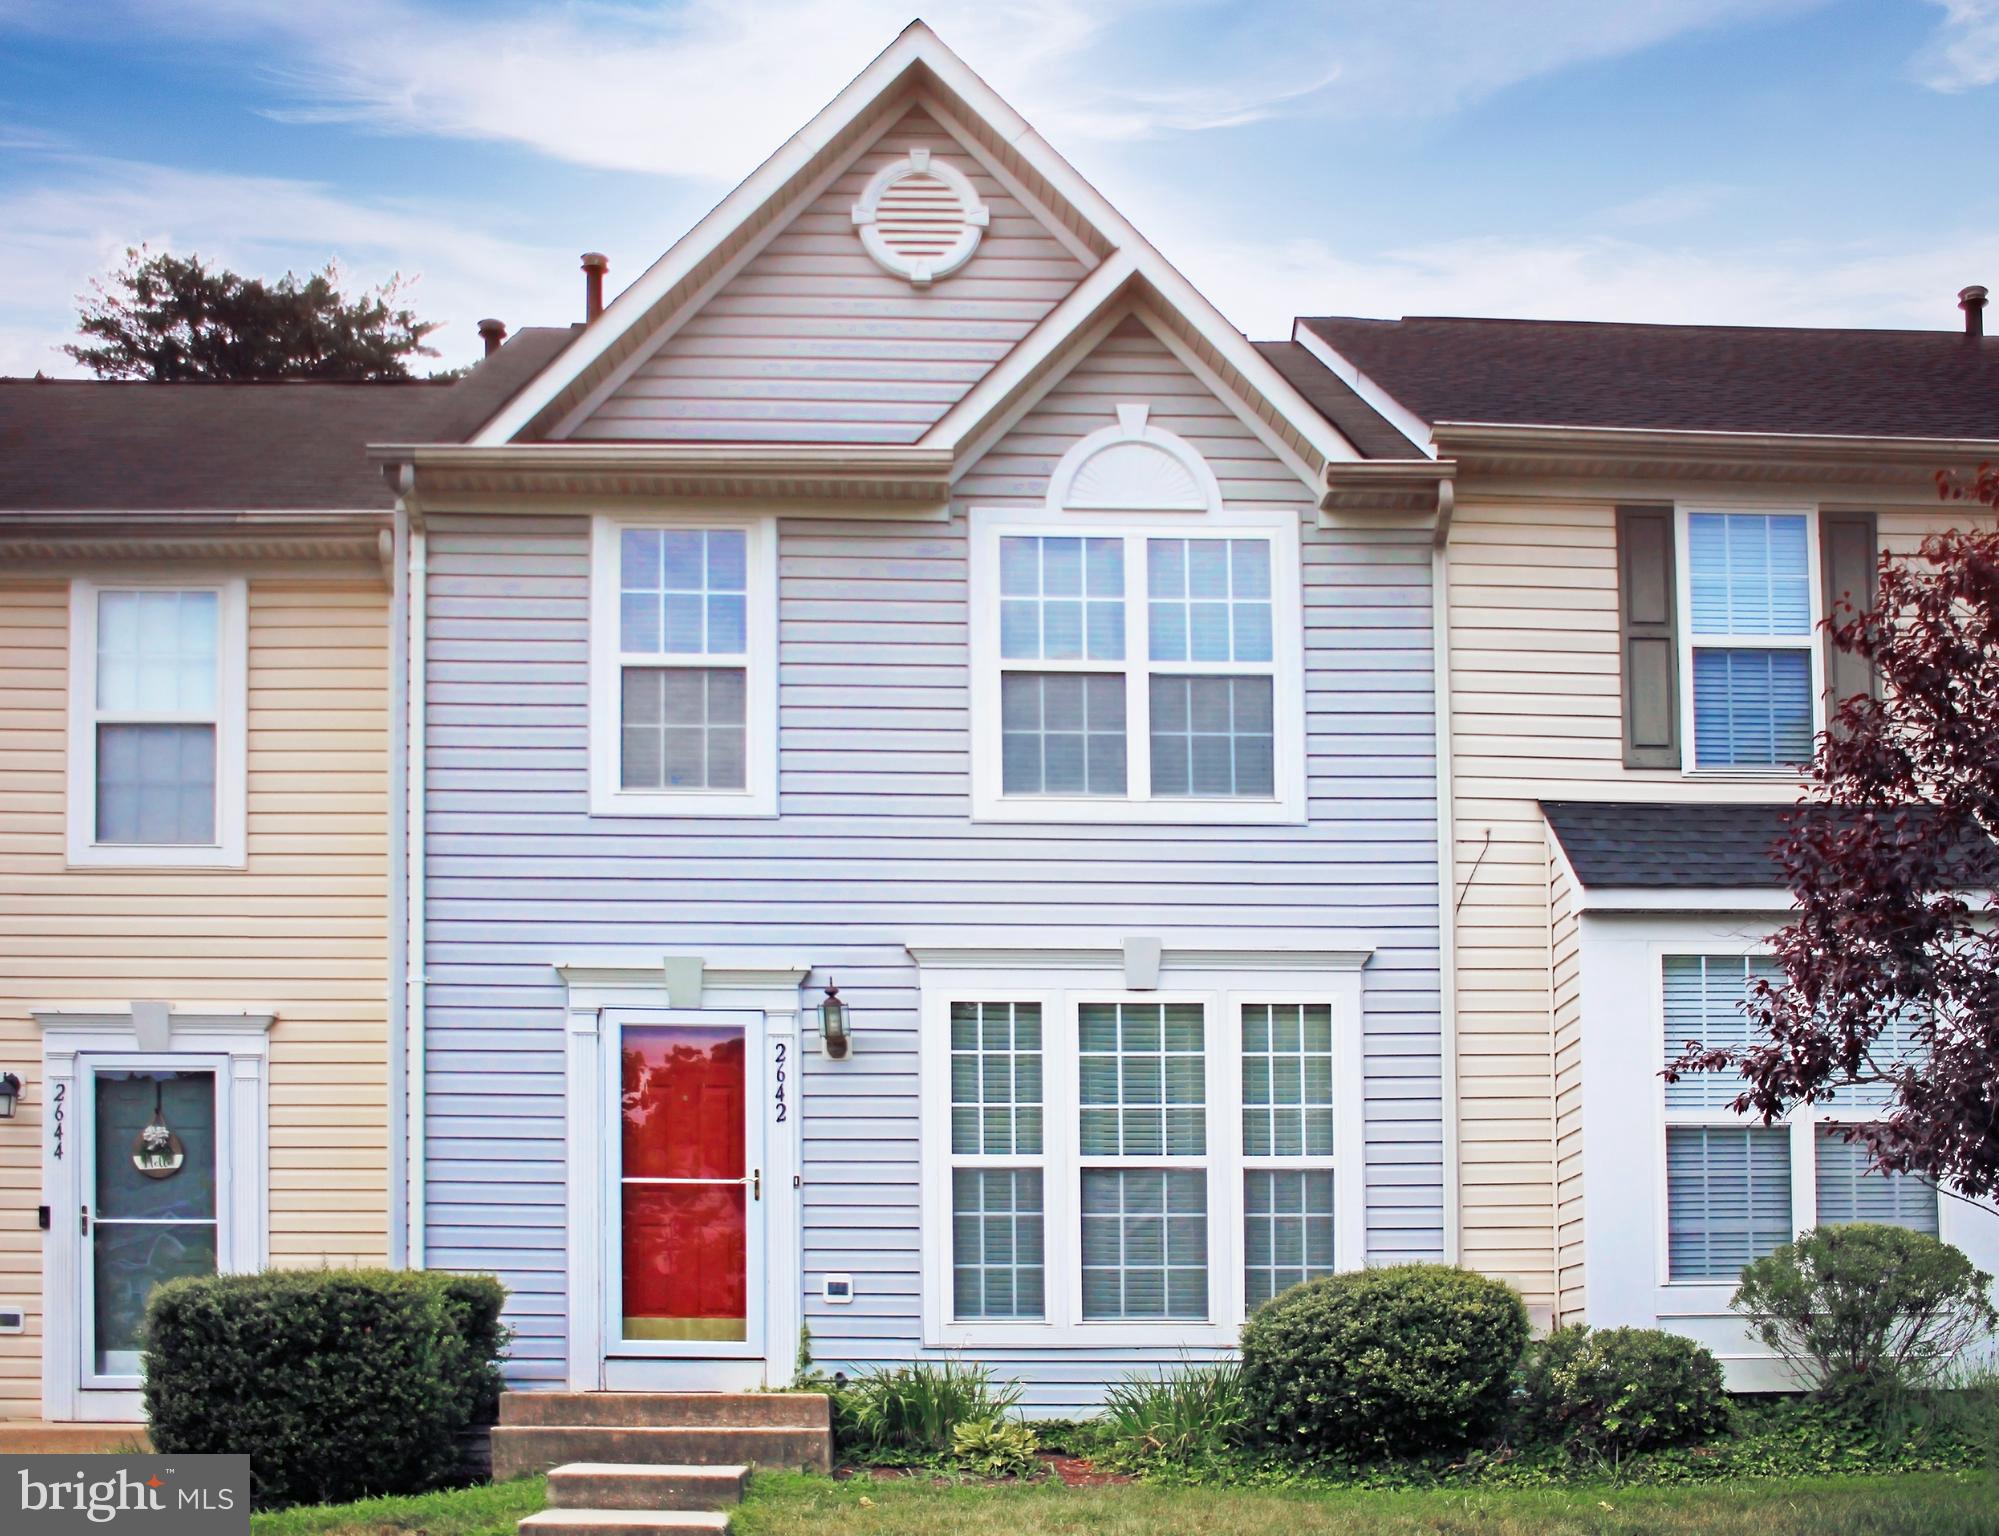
x,y
1849,553
1648,633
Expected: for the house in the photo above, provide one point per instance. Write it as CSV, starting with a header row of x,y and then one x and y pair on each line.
x,y
1641,526
910,588
195,854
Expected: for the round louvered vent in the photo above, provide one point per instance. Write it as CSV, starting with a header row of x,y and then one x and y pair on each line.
x,y
920,218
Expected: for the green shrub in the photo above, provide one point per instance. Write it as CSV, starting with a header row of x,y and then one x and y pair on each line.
x,y
1392,1361
337,1383
1193,1414
1865,1312
914,1410
996,1447
1621,1390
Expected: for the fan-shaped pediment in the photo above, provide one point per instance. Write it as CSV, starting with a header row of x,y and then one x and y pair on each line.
x,y
1135,477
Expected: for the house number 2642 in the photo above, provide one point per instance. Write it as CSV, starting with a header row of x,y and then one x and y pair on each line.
x,y
777,1092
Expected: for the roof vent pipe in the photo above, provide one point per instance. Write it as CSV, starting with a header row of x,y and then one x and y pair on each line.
x,y
493,333
1972,301
595,265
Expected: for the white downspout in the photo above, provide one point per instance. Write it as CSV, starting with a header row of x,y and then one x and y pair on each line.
x,y
398,894
414,839
1447,882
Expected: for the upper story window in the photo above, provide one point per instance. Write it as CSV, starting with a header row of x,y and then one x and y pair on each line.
x,y
1137,648
1750,633
683,686
156,741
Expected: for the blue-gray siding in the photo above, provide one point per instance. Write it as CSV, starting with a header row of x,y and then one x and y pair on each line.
x,y
875,841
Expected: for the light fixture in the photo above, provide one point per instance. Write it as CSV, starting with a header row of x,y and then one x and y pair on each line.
x,y
834,1023
10,1094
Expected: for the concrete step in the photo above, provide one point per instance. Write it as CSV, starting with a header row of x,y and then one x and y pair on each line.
x,y
520,1449
609,1485
621,1522
664,1410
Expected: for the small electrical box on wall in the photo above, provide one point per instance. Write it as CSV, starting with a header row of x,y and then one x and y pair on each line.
x,y
838,1289
13,1320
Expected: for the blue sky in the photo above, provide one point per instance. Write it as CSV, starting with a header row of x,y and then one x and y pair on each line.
x,y
1774,161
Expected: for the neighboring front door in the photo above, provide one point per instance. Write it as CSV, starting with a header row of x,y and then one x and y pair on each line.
x,y
685,1268
153,1193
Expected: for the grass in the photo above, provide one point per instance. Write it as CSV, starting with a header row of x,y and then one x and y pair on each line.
x,y
1921,1504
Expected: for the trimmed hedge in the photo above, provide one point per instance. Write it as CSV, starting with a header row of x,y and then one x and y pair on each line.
x,y
339,1384
1395,1361
1615,1391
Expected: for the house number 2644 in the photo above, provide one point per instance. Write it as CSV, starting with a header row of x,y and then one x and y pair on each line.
x,y
783,1051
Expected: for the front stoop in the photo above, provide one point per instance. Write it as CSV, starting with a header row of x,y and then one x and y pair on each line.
x,y
608,1485
622,1522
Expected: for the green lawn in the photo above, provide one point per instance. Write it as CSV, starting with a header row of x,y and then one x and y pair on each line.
x,y
1926,1504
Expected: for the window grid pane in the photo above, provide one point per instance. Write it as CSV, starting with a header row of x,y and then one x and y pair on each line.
x,y
1287,1080
1850,1190
156,652
1704,997
1752,709
1287,1230
1062,733
998,1255
1728,1198
1749,574
683,591
996,1079
1213,737
1142,1079
683,728
1061,599
1208,599
156,785
1145,1243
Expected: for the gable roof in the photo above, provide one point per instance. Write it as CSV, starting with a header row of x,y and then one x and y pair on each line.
x,y
1371,433
1699,378
69,445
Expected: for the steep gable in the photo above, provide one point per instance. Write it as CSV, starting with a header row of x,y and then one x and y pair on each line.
x,y
815,341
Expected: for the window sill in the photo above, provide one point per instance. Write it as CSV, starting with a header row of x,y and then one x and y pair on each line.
x,y
1773,776
153,856
1107,811
1149,1333
620,805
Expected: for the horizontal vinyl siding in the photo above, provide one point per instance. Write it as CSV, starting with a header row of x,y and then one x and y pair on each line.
x,y
301,931
1535,714
875,842
813,342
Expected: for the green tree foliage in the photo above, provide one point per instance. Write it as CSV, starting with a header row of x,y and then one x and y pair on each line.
x,y
168,319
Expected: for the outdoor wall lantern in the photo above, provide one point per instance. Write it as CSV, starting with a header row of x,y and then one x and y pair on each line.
x,y
834,1023
10,1094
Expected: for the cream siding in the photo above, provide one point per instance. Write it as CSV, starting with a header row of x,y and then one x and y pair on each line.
x,y
301,931
1535,714
813,342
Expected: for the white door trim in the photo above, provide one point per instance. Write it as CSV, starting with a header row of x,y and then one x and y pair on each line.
x,y
725,979
145,1034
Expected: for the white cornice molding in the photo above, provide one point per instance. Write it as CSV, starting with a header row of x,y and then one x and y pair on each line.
x,y
1910,463
1084,950
720,969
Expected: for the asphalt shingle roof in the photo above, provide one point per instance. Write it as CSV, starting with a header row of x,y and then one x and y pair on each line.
x,y
1333,398
1668,846
1710,378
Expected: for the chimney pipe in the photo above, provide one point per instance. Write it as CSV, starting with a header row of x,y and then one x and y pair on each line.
x,y
494,332
1972,301
595,265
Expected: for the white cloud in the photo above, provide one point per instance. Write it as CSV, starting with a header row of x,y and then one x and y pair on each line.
x,y
1965,52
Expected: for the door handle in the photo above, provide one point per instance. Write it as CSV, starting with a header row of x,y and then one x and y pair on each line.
x,y
756,1183
84,1228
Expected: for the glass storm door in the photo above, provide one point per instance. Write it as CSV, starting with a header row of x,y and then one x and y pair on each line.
x,y
687,1270
152,1196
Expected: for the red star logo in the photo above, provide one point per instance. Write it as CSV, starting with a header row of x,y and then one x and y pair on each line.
x,y
154,1481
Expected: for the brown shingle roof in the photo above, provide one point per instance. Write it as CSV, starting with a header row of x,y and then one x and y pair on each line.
x,y
1333,398
79,445
1712,378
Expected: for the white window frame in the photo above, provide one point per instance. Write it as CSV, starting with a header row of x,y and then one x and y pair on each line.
x,y
1286,668
229,719
1812,642
1222,980
759,794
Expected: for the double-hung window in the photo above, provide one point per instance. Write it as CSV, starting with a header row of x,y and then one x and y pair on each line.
x,y
157,729
1129,670
1752,653
1735,1188
683,688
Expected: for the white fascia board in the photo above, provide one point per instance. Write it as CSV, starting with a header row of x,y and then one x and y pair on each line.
x,y
1606,901
1398,415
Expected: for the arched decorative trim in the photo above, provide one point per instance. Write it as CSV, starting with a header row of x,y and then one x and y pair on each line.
x,y
1133,467
920,218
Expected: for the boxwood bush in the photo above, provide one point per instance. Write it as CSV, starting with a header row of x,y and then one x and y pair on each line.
x,y
337,1383
1614,1391
1395,1361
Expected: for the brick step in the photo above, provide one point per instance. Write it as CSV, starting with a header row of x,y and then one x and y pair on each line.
x,y
622,1522
609,1485
520,1449
664,1410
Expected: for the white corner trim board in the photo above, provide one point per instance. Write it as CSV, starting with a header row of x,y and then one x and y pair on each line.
x,y
920,217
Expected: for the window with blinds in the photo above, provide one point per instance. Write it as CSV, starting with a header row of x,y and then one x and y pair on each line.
x,y
1750,630
1850,1190
1728,1198
1704,998
998,1232
1287,1146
